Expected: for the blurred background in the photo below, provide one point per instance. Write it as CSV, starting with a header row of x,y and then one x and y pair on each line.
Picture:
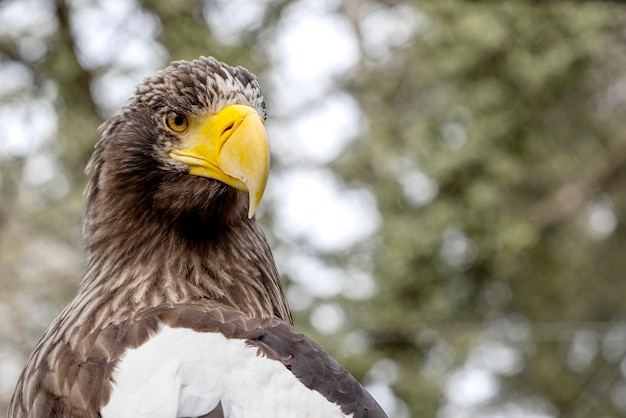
x,y
448,188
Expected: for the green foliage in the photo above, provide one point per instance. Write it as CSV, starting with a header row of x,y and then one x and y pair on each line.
x,y
499,105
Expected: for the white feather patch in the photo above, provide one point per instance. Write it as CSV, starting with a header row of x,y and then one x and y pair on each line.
x,y
184,373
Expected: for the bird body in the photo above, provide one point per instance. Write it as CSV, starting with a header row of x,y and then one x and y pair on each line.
x,y
181,311
174,374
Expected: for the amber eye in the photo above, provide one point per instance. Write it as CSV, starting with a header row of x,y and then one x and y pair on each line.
x,y
177,122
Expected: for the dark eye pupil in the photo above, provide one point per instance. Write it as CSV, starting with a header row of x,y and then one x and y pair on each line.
x,y
179,120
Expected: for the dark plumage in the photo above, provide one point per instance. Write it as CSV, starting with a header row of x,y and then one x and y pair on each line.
x,y
172,245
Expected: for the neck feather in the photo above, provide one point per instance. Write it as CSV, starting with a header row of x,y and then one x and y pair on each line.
x,y
137,263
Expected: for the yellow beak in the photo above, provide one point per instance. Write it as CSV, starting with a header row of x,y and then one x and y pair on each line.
x,y
230,146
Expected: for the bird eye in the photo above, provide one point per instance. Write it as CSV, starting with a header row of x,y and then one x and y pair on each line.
x,y
177,122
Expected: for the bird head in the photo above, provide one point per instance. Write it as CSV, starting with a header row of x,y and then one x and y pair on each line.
x,y
191,140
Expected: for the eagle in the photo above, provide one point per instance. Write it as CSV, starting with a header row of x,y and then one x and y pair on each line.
x,y
181,311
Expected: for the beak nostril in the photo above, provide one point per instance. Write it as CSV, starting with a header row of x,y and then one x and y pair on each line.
x,y
228,128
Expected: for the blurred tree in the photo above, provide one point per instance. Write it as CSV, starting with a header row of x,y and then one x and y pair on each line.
x,y
491,141
496,155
